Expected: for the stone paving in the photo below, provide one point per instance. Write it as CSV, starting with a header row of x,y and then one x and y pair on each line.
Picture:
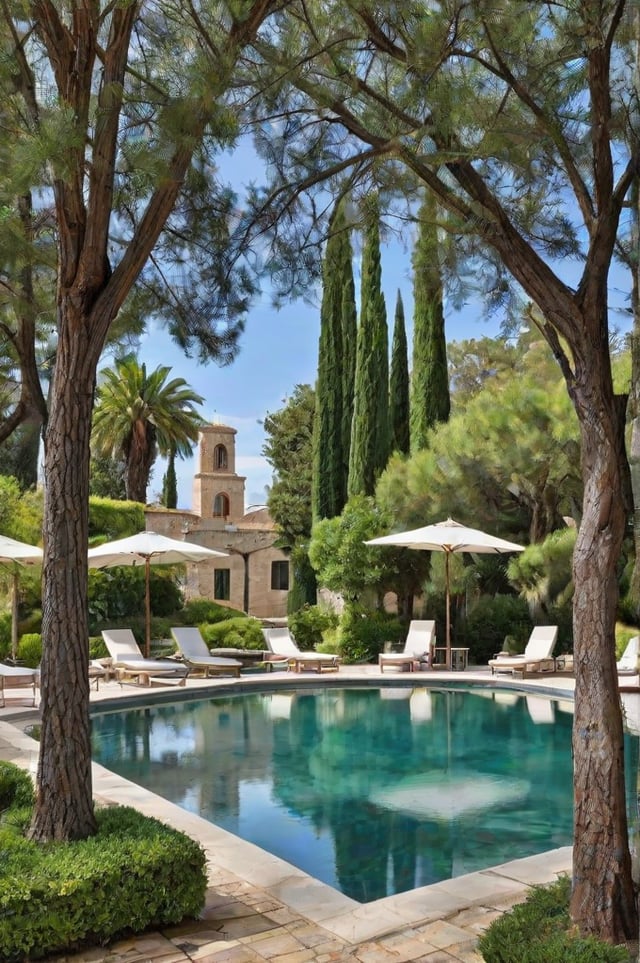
x,y
259,908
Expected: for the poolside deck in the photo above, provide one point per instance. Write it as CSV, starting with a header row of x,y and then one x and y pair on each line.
x,y
260,908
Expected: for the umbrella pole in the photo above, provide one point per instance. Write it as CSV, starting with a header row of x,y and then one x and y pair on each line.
x,y
14,617
448,608
147,607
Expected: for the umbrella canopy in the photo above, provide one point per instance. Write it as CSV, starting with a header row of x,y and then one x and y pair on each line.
x,y
15,553
448,537
148,548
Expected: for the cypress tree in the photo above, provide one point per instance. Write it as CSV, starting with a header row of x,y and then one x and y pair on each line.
x,y
399,384
370,429
328,477
430,401
349,339
170,483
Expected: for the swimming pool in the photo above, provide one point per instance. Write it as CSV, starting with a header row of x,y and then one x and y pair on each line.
x,y
374,791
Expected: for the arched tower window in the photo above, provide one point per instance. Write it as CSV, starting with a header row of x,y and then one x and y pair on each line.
x,y
220,457
220,506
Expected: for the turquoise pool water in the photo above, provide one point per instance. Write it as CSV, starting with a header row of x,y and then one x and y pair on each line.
x,y
372,791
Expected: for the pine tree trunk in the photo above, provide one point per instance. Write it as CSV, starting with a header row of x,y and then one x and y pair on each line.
x,y
64,806
601,858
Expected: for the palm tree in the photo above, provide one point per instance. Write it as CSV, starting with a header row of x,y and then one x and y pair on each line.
x,y
138,416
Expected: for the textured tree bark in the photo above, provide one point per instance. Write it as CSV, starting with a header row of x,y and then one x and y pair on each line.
x,y
602,877
64,806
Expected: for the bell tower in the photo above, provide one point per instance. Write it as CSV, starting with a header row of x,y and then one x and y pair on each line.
x,y
218,493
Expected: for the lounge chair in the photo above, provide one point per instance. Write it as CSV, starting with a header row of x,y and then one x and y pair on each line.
x,y
627,664
282,643
193,649
18,677
417,647
537,656
131,665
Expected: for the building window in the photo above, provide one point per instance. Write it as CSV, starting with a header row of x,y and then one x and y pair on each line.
x,y
220,506
280,576
222,584
220,459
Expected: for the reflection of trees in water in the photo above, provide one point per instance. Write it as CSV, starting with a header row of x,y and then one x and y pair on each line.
x,y
328,751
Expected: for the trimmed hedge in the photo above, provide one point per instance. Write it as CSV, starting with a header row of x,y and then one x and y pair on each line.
x,y
134,874
540,931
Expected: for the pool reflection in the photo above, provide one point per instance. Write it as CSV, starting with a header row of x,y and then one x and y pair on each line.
x,y
373,791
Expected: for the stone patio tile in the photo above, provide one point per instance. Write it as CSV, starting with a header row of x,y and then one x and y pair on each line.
x,y
195,931
270,945
469,955
245,926
140,950
310,935
442,934
283,915
227,909
375,953
405,946
476,918
438,956
231,954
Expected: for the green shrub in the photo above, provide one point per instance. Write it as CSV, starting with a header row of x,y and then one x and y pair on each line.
x,y
135,873
623,634
117,595
97,648
490,621
5,634
237,633
362,634
30,649
540,931
196,611
309,624
16,787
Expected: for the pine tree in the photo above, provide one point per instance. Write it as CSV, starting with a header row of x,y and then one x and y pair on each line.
x,y
399,384
430,401
370,430
334,387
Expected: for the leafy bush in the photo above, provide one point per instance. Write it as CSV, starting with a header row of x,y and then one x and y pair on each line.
x,y
117,596
114,519
238,633
5,634
16,787
135,873
309,624
196,611
490,621
623,634
30,649
362,634
539,931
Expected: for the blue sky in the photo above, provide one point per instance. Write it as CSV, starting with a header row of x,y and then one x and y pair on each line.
x,y
279,349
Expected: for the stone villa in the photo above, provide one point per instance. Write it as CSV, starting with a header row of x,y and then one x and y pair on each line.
x,y
255,575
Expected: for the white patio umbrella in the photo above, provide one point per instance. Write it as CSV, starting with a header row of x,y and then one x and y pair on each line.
x,y
15,554
448,537
148,548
